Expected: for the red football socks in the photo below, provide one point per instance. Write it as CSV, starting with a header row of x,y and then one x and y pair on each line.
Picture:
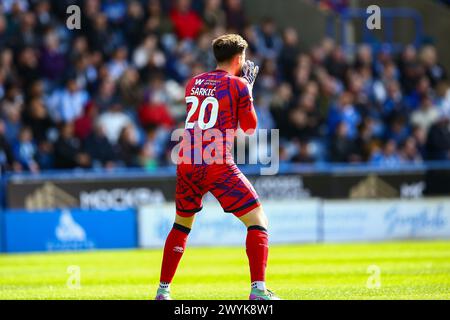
x,y
257,244
173,251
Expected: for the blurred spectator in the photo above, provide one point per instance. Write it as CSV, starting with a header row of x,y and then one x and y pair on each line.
x,y
279,106
388,157
269,43
443,96
68,150
336,64
409,151
28,66
99,149
67,104
289,53
398,130
155,112
129,89
363,142
125,71
128,148
152,150
118,63
106,95
25,150
434,71
186,22
52,61
113,121
438,141
42,129
265,118
213,14
426,115
342,147
344,111
7,160
84,125
420,138
236,18
134,23
304,118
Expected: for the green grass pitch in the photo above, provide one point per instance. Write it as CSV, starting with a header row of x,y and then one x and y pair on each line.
x,y
408,270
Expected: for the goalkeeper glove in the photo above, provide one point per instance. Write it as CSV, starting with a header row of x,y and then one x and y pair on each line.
x,y
250,72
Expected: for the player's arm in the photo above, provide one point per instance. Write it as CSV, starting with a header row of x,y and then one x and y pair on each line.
x,y
248,120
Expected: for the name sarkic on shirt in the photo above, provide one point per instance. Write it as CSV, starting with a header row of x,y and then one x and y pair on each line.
x,y
195,91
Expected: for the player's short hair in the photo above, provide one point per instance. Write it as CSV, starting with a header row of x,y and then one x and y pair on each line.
x,y
227,46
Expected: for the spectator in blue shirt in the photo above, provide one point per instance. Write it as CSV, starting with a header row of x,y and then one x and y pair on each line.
x,y
66,105
344,111
25,150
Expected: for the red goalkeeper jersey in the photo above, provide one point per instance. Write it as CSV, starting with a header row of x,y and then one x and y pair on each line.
x,y
217,104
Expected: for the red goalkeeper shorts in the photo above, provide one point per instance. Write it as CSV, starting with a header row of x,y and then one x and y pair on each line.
x,y
225,181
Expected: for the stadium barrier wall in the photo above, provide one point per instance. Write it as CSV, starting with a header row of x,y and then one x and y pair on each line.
x,y
93,190
69,230
300,221
309,221
289,223
379,220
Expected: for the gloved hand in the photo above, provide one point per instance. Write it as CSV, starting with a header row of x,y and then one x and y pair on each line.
x,y
250,72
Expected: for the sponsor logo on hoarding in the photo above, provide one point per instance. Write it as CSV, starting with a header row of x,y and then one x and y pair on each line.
x,y
373,187
425,218
282,187
69,235
118,199
49,196
413,190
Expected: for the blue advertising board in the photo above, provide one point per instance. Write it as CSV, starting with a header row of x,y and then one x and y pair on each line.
x,y
2,249
68,230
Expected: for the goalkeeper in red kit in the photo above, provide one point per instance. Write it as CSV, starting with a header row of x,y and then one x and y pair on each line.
x,y
218,102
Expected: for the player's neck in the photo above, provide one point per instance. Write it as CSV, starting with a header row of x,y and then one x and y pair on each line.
x,y
226,67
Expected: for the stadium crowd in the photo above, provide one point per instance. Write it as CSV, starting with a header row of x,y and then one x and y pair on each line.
x,y
109,95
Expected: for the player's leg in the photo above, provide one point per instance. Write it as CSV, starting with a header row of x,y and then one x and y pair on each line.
x,y
257,248
255,217
173,252
236,195
188,202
